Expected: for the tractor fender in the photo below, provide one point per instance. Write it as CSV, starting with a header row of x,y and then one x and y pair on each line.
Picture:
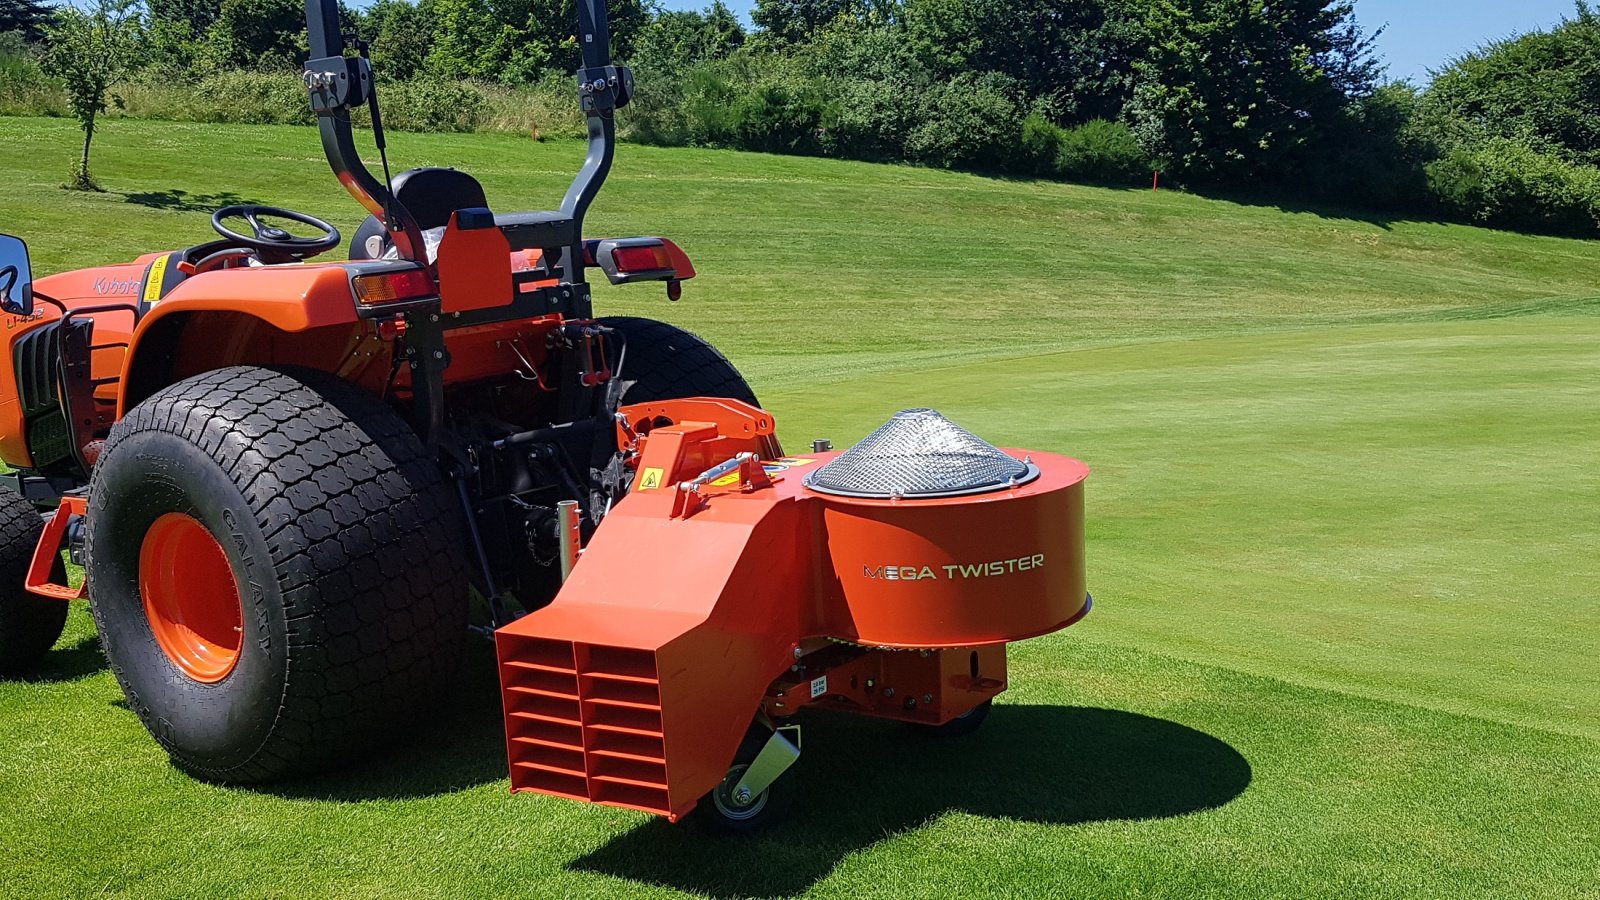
x,y
303,315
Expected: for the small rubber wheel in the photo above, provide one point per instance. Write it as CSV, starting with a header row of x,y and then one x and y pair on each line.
x,y
721,812
966,723
29,625
277,569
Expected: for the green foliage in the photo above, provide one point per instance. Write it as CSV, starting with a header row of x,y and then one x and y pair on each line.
x,y
1075,55
1242,90
974,121
402,36
431,104
27,18
1102,152
257,34
795,21
676,39
751,102
88,51
1541,89
1507,184
25,90
264,97
515,41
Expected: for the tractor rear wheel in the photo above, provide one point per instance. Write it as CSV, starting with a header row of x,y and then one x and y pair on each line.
x,y
664,362
276,567
29,625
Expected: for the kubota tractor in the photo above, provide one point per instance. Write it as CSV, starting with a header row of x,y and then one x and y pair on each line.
x,y
298,488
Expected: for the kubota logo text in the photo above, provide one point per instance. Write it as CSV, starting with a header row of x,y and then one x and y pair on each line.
x,y
115,285
956,571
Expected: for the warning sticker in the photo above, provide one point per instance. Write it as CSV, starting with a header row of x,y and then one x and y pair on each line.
x,y
819,686
726,480
651,479
789,462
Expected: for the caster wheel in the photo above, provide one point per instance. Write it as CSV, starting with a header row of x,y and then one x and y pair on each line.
x,y
729,809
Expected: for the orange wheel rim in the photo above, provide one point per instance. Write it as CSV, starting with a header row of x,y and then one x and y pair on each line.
x,y
191,597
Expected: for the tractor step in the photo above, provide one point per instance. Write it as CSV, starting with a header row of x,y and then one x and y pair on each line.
x,y
48,552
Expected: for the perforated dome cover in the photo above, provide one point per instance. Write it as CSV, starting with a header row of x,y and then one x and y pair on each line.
x,y
919,453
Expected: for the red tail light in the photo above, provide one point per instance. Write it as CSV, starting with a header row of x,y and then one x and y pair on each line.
x,y
394,287
633,260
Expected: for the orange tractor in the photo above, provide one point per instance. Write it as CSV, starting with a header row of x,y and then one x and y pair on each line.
x,y
297,489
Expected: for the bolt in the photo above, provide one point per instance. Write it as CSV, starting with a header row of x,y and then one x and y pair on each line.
x,y
433,317
797,653
927,699
438,354
888,692
742,795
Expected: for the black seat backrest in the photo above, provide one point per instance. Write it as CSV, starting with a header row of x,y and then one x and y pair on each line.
x,y
431,195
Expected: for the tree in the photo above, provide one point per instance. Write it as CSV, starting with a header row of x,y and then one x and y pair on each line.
x,y
1542,89
1244,90
88,51
515,41
676,39
794,21
27,17
402,35
258,34
1076,56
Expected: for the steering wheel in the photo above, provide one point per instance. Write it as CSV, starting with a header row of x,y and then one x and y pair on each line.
x,y
272,240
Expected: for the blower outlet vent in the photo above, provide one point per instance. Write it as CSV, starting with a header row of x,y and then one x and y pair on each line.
x,y
920,454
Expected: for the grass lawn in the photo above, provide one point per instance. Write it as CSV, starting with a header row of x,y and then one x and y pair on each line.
x,y
1343,530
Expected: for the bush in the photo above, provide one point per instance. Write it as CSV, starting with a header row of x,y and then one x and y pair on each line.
x,y
868,119
1102,152
744,102
431,104
1041,144
1505,184
974,122
260,98
24,88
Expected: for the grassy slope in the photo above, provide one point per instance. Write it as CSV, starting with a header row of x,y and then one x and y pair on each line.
x,y
1342,539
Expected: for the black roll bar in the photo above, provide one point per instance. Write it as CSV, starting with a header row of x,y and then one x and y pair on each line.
x,y
338,84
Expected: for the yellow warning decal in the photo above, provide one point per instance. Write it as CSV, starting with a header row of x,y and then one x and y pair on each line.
x,y
785,463
726,480
651,479
158,274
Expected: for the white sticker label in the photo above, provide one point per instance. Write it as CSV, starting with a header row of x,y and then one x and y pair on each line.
x,y
819,686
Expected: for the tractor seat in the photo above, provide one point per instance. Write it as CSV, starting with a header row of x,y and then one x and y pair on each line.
x,y
431,195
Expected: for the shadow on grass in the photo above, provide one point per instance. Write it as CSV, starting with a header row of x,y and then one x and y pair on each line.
x,y
458,745
863,781
70,663
183,201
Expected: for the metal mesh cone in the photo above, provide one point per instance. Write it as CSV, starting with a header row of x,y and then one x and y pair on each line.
x,y
919,453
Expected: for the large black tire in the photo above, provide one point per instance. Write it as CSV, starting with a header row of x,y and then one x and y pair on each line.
x,y
29,625
664,362
344,538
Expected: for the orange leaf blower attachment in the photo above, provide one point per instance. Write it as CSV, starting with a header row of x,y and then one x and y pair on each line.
x,y
734,586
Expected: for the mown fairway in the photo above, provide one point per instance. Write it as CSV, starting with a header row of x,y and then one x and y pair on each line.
x,y
1343,536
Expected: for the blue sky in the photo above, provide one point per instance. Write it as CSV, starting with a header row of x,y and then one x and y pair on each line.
x,y
1422,34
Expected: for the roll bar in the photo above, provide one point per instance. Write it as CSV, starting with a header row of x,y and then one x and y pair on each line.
x,y
338,84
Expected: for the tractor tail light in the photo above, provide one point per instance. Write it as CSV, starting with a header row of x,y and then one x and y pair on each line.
x,y
394,287
636,260
626,260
